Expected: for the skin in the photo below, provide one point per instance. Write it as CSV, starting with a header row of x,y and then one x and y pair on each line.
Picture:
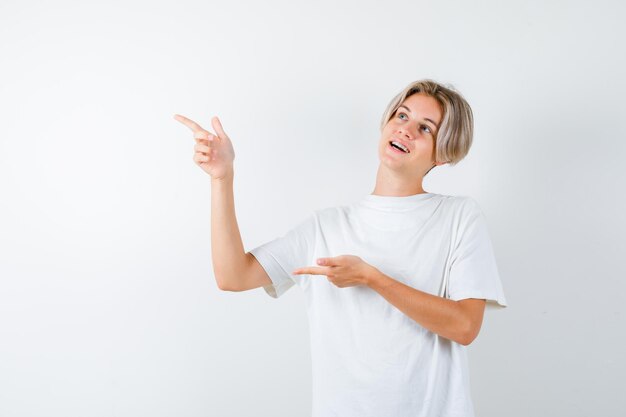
x,y
398,175
402,175
213,153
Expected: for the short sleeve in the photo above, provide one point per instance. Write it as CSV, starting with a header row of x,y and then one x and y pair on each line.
x,y
473,270
279,257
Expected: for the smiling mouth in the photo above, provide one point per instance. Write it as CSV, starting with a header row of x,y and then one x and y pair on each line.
x,y
398,146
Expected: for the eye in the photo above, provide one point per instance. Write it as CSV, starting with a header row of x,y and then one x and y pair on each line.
x,y
426,128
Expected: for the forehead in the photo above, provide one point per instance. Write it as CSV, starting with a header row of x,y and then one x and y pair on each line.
x,y
423,106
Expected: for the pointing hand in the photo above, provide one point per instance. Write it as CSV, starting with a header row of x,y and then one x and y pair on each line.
x,y
213,153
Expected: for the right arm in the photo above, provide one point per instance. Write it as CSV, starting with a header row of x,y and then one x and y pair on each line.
x,y
235,270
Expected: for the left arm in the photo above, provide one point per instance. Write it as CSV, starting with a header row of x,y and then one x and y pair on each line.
x,y
456,320
459,321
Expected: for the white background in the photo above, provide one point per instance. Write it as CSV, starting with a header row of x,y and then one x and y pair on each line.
x,y
108,303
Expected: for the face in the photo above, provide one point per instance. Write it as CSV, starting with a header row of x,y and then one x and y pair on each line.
x,y
415,125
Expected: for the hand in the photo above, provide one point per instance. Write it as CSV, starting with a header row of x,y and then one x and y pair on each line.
x,y
214,154
343,271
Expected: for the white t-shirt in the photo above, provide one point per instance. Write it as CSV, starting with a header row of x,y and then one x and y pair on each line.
x,y
369,358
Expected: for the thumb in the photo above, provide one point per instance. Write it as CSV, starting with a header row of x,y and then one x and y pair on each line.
x,y
218,128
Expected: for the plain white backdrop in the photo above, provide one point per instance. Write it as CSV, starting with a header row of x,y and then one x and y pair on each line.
x,y
108,303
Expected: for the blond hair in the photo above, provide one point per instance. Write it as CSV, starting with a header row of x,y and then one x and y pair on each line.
x,y
454,135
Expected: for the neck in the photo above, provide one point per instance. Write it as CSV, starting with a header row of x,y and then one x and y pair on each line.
x,y
393,183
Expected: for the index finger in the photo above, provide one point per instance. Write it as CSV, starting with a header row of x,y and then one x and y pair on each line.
x,y
311,270
195,127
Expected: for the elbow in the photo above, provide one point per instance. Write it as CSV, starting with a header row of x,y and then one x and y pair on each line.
x,y
224,286
466,339
468,334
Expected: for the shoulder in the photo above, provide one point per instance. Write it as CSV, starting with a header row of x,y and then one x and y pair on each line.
x,y
334,216
462,209
464,204
458,203
331,212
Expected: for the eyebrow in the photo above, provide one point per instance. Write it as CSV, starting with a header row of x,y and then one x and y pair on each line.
x,y
425,118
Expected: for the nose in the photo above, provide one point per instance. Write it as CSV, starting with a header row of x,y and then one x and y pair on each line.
x,y
404,133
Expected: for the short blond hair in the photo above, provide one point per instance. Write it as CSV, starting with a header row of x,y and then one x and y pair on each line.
x,y
455,133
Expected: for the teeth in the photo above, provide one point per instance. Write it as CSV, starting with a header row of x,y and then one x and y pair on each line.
x,y
401,146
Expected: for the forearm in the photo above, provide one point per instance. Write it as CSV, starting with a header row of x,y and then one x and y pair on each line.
x,y
227,251
437,314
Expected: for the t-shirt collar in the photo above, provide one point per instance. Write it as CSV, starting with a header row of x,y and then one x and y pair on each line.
x,y
395,203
